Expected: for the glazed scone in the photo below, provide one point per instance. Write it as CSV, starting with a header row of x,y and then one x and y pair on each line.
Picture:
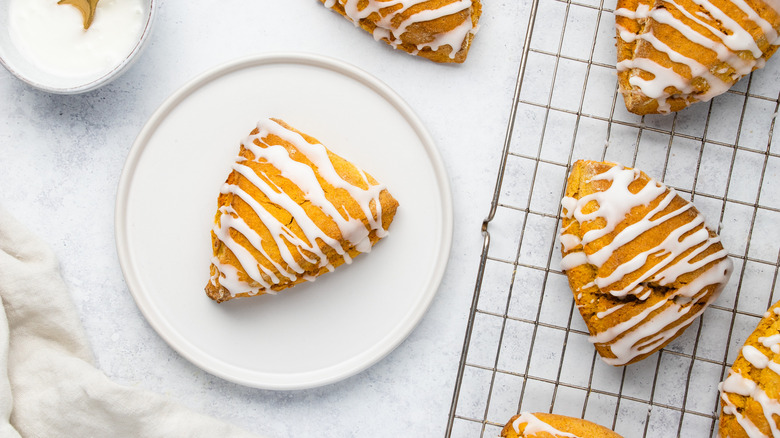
x,y
539,425
639,259
750,395
440,30
675,53
290,211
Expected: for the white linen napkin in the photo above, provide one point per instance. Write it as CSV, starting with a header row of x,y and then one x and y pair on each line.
x,y
49,386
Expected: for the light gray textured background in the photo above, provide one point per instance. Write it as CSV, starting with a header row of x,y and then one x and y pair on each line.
x,y
61,157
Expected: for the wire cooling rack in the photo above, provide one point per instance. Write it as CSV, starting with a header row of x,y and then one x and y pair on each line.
x,y
526,346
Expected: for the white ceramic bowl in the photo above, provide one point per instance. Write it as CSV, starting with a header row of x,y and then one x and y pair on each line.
x,y
22,68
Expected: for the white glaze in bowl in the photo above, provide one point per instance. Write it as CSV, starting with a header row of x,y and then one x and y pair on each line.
x,y
16,63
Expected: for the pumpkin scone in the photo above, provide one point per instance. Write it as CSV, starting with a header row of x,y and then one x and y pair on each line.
x,y
539,425
291,210
639,258
440,30
673,53
750,395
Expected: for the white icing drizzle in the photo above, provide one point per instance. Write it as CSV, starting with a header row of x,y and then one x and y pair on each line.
x,y
741,385
727,46
534,425
752,15
656,88
644,332
611,310
569,242
389,31
757,358
737,39
737,384
307,247
771,342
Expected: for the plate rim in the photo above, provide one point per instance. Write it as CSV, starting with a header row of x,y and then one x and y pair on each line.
x,y
309,379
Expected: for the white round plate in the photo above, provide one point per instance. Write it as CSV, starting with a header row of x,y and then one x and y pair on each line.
x,y
315,333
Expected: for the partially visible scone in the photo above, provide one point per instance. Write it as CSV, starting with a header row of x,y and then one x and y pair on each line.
x,y
291,210
440,30
541,425
640,260
750,395
674,53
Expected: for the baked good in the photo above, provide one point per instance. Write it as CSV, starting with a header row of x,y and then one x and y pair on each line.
x,y
541,425
639,258
440,30
291,210
750,394
672,53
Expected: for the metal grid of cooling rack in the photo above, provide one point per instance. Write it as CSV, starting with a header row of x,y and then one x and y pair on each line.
x,y
526,346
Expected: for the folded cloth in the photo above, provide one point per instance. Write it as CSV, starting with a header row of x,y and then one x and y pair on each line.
x,y
49,386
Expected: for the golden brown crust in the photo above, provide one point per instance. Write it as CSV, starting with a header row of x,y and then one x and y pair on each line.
x,y
767,380
567,425
272,260
418,35
599,307
639,103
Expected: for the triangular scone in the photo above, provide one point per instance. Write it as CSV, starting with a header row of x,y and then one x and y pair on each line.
x,y
540,425
289,211
672,53
640,260
440,30
750,395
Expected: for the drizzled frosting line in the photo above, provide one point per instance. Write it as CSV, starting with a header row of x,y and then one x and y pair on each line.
x,y
388,29
742,385
735,47
534,425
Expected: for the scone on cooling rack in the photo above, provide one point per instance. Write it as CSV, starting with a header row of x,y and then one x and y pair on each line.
x,y
750,395
291,210
673,53
640,260
539,425
440,30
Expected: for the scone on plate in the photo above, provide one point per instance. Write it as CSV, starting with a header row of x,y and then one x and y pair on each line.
x,y
539,425
440,30
750,395
640,260
291,210
673,53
